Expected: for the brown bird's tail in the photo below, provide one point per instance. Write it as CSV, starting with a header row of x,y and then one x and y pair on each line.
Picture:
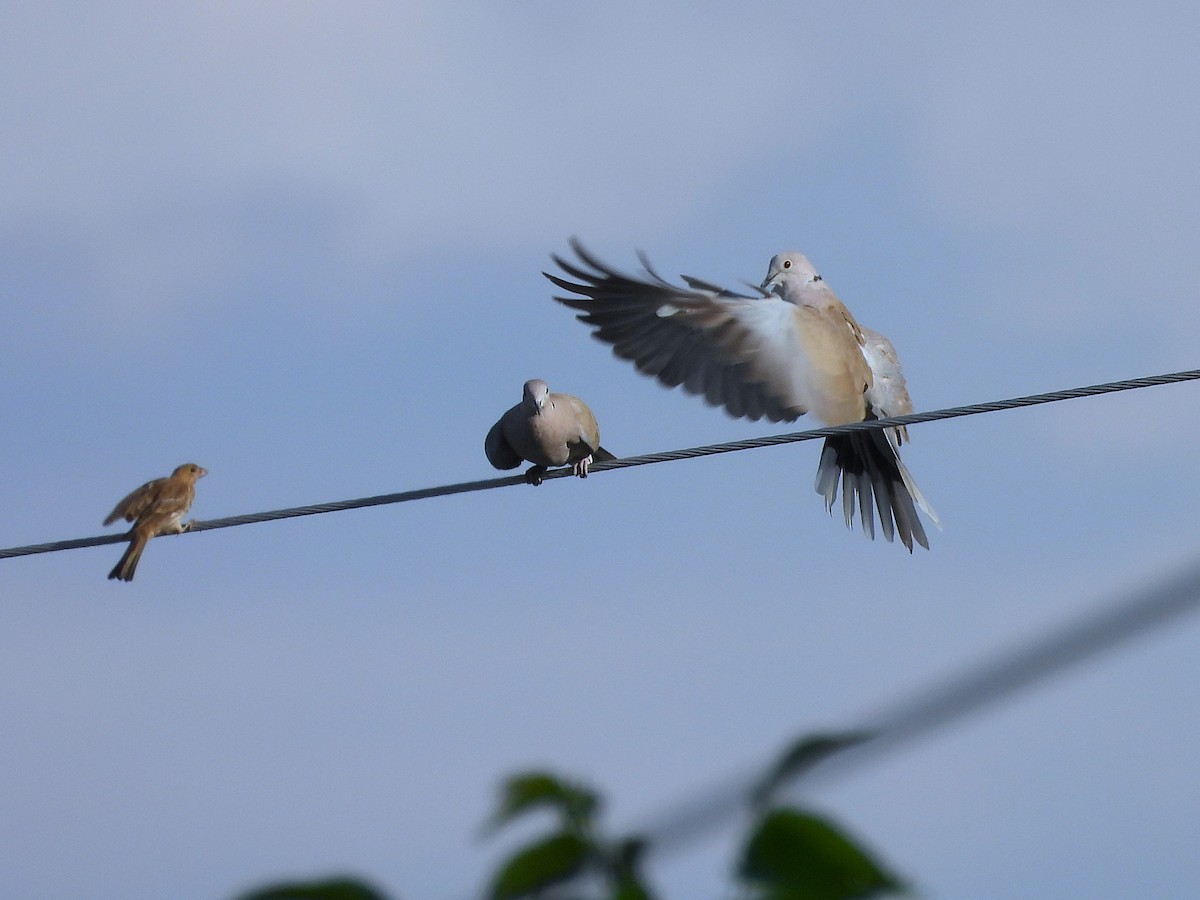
x,y
128,562
868,464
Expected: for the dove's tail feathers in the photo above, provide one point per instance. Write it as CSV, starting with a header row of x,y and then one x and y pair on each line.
x,y
601,455
128,562
871,474
915,493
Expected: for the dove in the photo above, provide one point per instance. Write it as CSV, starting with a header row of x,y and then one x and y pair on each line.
x,y
157,507
546,429
789,349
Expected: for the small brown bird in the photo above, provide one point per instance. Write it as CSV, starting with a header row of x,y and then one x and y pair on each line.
x,y
157,507
547,429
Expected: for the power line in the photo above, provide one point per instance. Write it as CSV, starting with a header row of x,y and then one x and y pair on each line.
x,y
939,705
628,462
832,755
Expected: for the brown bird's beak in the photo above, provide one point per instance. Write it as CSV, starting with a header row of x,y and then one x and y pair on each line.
x,y
202,473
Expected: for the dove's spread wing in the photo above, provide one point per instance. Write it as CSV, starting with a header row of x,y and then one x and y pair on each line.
x,y
758,356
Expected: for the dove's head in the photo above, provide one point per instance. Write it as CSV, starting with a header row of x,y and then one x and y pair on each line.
x,y
535,394
789,270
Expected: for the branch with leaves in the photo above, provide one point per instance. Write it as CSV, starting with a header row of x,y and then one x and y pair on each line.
x,y
790,853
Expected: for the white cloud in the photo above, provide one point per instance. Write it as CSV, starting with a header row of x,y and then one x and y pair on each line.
x,y
434,120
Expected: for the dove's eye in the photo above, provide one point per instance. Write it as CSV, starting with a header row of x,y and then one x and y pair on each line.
x,y
787,263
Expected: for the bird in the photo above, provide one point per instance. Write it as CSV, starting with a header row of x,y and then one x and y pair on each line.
x,y
157,507
790,348
546,429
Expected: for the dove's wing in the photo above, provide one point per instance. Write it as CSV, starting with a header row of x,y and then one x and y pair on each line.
x,y
499,451
888,394
757,356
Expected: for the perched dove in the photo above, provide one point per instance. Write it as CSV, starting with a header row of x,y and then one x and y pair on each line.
x,y
791,349
546,429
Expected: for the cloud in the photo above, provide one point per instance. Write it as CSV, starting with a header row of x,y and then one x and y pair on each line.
x,y
432,122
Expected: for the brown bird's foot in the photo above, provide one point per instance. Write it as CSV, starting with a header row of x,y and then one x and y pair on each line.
x,y
534,475
187,526
581,467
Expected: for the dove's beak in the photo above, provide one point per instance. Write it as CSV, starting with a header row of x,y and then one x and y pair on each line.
x,y
770,281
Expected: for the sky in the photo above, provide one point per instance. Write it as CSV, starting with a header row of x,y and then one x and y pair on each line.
x,y
301,245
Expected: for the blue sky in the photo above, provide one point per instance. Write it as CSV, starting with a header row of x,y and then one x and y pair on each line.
x,y
301,245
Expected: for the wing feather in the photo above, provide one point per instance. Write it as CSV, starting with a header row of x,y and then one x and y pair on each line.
x,y
735,350
888,395
136,503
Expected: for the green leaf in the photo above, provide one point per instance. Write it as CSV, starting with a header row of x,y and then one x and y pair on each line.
x,y
802,755
540,865
623,863
793,855
631,889
537,790
330,889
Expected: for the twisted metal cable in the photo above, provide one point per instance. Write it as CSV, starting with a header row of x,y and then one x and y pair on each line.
x,y
630,461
